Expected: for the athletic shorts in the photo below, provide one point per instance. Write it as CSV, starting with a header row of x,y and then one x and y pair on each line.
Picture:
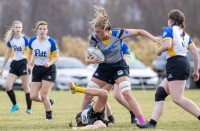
x,y
18,68
177,68
111,72
40,73
90,116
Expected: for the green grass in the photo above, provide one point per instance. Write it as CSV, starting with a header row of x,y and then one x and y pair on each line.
x,y
68,105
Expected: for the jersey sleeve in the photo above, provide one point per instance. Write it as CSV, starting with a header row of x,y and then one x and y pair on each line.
x,y
53,45
190,41
167,33
121,34
125,50
25,40
31,41
9,44
93,41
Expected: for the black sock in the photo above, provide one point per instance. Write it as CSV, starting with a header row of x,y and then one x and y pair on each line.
x,y
28,101
11,94
199,117
48,114
111,118
132,114
152,122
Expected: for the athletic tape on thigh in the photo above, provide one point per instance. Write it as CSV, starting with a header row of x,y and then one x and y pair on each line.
x,y
125,85
92,84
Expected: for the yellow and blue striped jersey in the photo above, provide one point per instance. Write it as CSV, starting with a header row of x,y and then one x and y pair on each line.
x,y
179,43
19,47
42,51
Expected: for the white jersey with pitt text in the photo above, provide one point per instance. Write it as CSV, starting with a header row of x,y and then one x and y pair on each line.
x,y
42,51
18,48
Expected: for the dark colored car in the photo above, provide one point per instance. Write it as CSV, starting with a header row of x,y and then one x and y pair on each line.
x,y
159,65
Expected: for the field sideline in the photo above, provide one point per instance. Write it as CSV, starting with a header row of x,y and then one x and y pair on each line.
x,y
68,105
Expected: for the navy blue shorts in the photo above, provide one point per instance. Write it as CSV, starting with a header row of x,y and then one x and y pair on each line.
x,y
18,68
178,68
111,72
40,73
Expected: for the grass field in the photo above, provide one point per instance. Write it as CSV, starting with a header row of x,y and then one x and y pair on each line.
x,y
68,105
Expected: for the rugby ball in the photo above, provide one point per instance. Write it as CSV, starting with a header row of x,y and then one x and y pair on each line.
x,y
96,53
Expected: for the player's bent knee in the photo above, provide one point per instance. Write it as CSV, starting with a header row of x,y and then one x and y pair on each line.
x,y
125,85
161,94
92,84
104,93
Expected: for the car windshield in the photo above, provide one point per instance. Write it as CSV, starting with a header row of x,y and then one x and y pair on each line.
x,y
69,63
137,65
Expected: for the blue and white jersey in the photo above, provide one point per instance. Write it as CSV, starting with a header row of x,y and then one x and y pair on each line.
x,y
112,48
42,51
179,43
19,47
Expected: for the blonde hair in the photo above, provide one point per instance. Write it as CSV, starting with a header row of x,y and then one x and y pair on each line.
x,y
10,32
40,23
101,20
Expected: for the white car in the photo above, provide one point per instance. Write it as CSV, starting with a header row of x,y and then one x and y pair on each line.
x,y
71,69
142,76
18,82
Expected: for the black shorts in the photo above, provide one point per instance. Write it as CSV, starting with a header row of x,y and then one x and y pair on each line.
x,y
18,67
94,116
40,73
177,68
111,72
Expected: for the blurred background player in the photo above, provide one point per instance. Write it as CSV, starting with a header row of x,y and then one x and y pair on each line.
x,y
176,42
18,44
45,53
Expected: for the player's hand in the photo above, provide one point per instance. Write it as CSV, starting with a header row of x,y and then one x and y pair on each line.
x,y
47,65
28,69
93,60
195,76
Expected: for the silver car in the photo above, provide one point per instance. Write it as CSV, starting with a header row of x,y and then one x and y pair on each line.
x,y
71,69
142,76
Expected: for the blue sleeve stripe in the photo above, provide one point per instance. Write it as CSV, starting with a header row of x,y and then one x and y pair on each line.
x,y
114,33
167,32
53,44
26,41
31,41
9,44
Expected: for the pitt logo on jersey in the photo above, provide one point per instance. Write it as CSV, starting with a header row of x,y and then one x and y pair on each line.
x,y
40,53
15,48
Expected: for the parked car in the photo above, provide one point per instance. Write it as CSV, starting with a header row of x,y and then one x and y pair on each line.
x,y
71,69
159,65
141,76
18,82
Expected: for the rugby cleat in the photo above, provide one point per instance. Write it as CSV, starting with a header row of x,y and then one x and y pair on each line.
x,y
29,111
146,125
14,108
72,87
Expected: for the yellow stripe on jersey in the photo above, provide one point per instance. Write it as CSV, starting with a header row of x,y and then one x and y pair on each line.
x,y
26,51
171,51
127,55
167,38
191,44
52,54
